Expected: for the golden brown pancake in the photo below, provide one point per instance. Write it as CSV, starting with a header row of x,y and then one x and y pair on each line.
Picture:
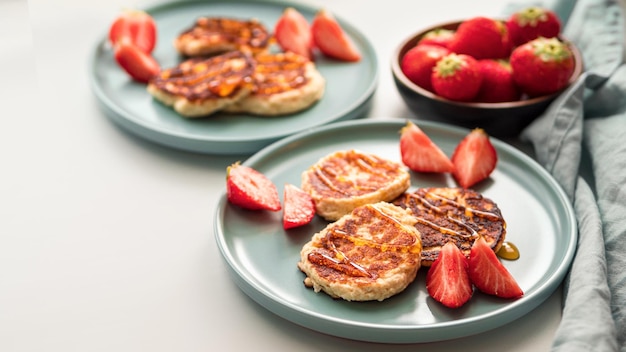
x,y
453,214
284,83
199,87
213,35
344,180
372,253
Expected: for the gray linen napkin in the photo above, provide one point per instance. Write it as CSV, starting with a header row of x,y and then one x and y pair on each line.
x,y
580,140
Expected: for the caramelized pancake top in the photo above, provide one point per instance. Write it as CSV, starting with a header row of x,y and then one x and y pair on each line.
x,y
366,245
453,214
352,174
372,253
279,73
201,79
211,35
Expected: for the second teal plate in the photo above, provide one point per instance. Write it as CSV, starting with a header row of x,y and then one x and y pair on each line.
x,y
349,88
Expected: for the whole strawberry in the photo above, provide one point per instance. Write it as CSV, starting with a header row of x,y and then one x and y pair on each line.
x,y
482,38
457,77
437,36
498,85
542,66
417,64
531,23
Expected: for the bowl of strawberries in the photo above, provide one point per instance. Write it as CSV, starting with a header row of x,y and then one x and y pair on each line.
x,y
496,74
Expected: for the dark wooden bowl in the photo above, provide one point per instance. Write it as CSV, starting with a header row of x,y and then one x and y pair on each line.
x,y
498,119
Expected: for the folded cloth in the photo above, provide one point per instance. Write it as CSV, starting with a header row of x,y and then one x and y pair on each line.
x,y
579,140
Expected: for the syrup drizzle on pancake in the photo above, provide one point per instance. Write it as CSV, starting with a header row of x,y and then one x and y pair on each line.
x,y
201,79
456,215
342,263
211,35
278,73
330,181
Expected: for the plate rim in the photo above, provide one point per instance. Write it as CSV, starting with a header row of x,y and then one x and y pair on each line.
x,y
198,143
362,331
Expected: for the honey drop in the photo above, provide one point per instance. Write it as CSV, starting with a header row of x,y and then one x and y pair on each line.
x,y
508,251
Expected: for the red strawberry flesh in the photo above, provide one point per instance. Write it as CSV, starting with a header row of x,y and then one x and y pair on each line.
x,y
489,275
419,153
474,158
293,33
299,207
250,189
330,38
447,280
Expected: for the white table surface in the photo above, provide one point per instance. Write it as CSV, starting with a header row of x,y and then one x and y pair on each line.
x,y
106,240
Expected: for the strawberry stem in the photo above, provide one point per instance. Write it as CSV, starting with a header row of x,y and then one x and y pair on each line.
x,y
449,65
550,49
532,16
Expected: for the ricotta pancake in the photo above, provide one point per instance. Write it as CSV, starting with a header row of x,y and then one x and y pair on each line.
x,y
453,215
284,83
344,180
199,87
216,35
370,254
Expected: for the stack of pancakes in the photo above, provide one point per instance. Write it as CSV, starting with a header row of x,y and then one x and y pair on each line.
x,y
230,68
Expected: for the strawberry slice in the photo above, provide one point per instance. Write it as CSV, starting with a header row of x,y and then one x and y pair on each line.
x,y
138,65
420,153
137,26
330,38
474,158
293,33
299,207
250,189
488,274
447,280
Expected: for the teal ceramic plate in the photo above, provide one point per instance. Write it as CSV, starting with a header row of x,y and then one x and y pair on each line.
x,y
349,87
262,256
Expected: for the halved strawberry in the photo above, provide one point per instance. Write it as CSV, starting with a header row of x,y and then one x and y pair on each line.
x,y
330,38
474,158
250,189
139,65
299,207
489,275
447,280
137,26
293,33
419,153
